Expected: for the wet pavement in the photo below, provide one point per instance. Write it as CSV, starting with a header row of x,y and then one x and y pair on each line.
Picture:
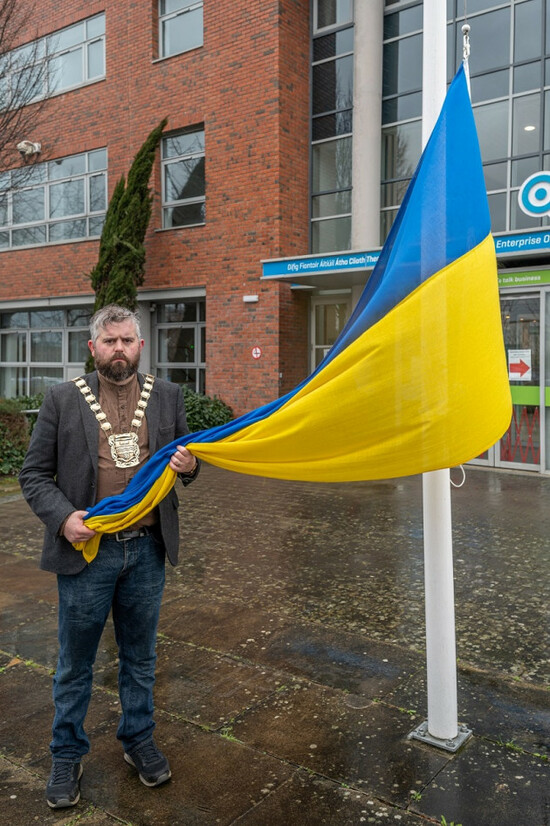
x,y
291,664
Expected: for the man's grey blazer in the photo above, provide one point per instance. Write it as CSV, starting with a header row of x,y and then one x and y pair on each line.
x,y
59,474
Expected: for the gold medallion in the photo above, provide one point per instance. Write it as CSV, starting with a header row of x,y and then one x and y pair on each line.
x,y
124,449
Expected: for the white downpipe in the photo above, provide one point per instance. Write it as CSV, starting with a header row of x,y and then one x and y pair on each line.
x,y
436,486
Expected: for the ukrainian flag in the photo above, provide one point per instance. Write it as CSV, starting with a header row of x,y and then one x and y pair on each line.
x,y
417,380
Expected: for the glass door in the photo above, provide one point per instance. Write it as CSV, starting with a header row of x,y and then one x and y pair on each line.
x,y
328,316
520,447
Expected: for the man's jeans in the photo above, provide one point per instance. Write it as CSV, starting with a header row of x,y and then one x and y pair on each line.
x,y
129,578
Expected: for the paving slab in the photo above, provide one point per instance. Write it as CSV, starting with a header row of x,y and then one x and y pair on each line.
x,y
291,664
488,785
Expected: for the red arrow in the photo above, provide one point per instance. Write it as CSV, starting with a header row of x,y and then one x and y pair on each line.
x,y
520,367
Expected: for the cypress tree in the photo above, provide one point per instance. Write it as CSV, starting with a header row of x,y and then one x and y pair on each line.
x,y
120,266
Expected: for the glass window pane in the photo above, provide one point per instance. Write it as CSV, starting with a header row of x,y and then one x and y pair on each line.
x,y
402,107
9,321
471,6
497,208
522,169
528,30
97,160
67,198
95,26
28,205
518,218
202,339
334,12
66,38
547,120
492,85
393,193
401,150
181,33
332,45
334,204
496,175
65,70
402,22
184,215
95,225
13,347
78,346
4,240
526,135
490,41
186,143
330,126
332,165
28,236
46,346
96,59
492,129
177,345
3,210
98,193
66,167
67,230
168,6
331,235
46,318
43,377
403,65
13,382
178,312
78,317
527,77
186,376
184,179
333,85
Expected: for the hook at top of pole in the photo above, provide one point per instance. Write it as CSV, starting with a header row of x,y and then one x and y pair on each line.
x,y
465,42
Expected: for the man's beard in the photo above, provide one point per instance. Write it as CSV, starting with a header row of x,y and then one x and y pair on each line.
x,y
117,370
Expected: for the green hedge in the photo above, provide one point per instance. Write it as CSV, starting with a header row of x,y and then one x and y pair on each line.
x,y
16,426
205,411
14,436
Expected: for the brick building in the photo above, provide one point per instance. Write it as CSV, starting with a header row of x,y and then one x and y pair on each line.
x,y
293,130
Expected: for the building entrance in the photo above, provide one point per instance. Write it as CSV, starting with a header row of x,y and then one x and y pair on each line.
x,y
521,445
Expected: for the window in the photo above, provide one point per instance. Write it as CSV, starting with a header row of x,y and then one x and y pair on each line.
x,y
35,345
180,26
65,59
183,179
60,200
180,343
328,13
332,121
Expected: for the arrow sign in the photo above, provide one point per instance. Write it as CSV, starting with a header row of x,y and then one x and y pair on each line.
x,y
519,365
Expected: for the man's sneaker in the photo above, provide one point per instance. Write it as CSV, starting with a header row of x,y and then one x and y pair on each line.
x,y
151,763
63,787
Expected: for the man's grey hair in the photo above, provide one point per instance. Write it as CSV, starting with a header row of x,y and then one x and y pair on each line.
x,y
112,314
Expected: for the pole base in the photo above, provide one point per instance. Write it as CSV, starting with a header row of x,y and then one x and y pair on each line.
x,y
421,733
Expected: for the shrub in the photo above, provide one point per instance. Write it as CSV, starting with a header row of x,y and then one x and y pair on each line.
x,y
205,411
14,436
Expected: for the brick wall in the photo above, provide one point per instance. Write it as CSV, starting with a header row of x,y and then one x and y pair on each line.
x,y
249,85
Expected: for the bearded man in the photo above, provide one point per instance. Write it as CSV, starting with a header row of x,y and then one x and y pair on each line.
x,y
91,436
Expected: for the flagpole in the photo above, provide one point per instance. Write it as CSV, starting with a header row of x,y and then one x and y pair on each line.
x,y
441,728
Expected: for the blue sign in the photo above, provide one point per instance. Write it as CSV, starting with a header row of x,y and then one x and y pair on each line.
x,y
320,263
534,195
527,241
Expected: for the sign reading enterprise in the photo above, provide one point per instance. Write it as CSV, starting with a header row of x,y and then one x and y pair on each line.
x,y
342,262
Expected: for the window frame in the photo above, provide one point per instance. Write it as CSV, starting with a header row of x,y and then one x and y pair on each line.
x,y
164,18
166,162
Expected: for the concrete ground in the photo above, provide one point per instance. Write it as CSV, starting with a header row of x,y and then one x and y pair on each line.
x,y
291,665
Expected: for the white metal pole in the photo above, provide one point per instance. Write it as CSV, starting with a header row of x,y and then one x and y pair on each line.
x,y
436,487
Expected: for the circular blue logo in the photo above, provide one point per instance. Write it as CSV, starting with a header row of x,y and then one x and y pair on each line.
x,y
534,195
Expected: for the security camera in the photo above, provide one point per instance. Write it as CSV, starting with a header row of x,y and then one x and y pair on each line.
x,y
28,148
